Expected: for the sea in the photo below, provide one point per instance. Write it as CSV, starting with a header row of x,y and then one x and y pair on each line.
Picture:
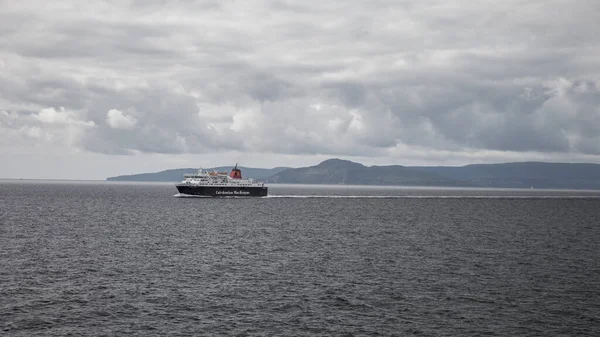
x,y
81,258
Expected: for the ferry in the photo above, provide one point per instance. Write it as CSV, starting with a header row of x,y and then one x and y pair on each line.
x,y
221,184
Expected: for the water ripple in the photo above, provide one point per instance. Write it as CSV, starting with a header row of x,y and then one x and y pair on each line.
x,y
126,260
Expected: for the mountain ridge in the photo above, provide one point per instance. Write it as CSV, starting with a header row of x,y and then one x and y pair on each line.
x,y
175,175
344,172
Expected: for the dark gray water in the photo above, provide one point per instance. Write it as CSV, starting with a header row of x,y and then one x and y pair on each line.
x,y
109,259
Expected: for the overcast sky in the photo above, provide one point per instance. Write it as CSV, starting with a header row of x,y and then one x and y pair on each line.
x,y
91,89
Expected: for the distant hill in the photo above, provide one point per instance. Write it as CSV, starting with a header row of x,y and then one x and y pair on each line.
x,y
176,175
506,175
337,171
523,175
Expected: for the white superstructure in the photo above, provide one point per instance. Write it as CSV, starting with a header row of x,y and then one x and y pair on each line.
x,y
206,178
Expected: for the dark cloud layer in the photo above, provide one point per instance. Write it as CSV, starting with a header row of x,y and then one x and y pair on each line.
x,y
380,79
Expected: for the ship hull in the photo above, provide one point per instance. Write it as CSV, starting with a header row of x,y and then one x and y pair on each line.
x,y
223,191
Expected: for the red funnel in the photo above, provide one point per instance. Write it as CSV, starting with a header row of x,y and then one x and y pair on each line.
x,y
236,173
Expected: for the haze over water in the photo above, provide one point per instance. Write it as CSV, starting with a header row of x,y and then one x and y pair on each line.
x,y
124,259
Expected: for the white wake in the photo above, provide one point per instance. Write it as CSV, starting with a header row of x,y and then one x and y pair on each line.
x,y
324,196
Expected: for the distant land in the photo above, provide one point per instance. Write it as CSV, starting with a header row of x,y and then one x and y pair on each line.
x,y
176,175
344,172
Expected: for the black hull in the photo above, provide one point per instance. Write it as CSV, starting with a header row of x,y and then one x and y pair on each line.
x,y
223,191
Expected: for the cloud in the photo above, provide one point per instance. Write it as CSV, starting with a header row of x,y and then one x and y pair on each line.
x,y
47,127
60,117
337,78
118,120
